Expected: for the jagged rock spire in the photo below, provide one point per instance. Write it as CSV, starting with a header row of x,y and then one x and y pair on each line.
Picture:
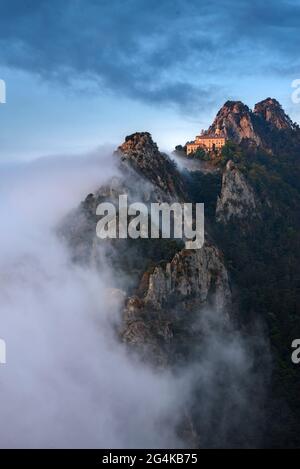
x,y
238,122
141,153
235,121
271,111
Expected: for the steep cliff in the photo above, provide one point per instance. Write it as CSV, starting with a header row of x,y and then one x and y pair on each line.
x,y
140,153
161,319
245,276
166,287
263,127
271,112
237,200
237,122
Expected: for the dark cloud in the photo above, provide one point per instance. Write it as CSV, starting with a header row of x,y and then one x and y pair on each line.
x,y
168,51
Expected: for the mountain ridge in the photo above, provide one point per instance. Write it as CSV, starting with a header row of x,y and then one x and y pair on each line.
x,y
247,270
261,127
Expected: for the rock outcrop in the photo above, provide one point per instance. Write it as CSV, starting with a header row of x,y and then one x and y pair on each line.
x,y
142,154
258,128
163,313
236,122
190,275
166,295
271,112
166,287
237,200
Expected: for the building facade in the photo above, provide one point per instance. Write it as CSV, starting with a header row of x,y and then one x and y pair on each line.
x,y
209,142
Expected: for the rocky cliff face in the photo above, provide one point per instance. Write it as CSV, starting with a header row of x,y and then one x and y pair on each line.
x,y
140,153
270,129
166,287
236,121
145,175
166,290
190,275
271,112
163,314
237,200
259,127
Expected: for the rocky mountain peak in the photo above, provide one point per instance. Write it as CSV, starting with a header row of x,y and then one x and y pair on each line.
x,y
237,107
258,127
138,143
141,153
271,111
235,120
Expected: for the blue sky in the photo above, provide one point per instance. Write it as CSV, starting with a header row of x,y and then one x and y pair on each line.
x,y
82,73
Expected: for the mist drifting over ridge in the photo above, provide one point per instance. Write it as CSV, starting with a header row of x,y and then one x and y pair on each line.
x,y
68,381
129,316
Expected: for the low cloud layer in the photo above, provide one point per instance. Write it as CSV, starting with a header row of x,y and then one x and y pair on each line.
x,y
68,381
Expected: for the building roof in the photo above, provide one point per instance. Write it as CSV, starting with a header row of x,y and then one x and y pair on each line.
x,y
206,137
